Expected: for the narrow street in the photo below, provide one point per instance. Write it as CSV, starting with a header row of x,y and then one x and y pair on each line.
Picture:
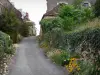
x,y
30,60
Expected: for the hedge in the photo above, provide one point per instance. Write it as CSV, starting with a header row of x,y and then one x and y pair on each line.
x,y
6,45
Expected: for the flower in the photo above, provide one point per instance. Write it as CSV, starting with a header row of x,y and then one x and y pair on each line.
x,y
72,65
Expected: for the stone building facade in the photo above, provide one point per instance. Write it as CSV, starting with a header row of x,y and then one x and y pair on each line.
x,y
53,3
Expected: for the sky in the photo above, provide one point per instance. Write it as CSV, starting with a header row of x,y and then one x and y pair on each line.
x,y
35,8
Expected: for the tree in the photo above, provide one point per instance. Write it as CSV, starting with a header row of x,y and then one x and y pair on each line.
x,y
97,8
9,23
72,16
27,29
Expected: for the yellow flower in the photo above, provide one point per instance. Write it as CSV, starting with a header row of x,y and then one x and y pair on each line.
x,y
72,65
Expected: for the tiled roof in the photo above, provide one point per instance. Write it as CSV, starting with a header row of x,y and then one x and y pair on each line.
x,y
53,12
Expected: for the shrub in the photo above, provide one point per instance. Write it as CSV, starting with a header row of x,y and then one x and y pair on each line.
x,y
68,18
86,68
53,31
6,46
9,23
58,56
81,38
76,37
48,24
26,29
97,8
72,16
86,44
57,38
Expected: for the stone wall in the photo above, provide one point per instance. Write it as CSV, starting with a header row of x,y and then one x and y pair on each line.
x,y
6,4
53,3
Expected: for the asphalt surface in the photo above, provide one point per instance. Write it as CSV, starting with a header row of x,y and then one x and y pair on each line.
x,y
30,60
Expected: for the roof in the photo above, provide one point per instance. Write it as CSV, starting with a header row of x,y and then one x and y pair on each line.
x,y
53,12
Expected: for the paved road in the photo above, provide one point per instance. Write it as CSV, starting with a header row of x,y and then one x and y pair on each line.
x,y
30,60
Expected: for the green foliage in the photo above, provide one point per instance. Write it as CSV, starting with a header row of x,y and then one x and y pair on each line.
x,y
70,31
45,45
52,29
59,56
12,25
68,18
88,12
73,16
6,46
86,68
77,3
97,8
9,23
68,22
66,11
48,24
73,40
56,37
89,35
86,44
26,28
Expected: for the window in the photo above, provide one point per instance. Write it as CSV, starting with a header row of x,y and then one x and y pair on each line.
x,y
86,4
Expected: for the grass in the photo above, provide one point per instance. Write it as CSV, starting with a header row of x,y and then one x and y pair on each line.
x,y
58,56
95,23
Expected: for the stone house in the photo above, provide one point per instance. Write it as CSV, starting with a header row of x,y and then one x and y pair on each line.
x,y
53,3
52,13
